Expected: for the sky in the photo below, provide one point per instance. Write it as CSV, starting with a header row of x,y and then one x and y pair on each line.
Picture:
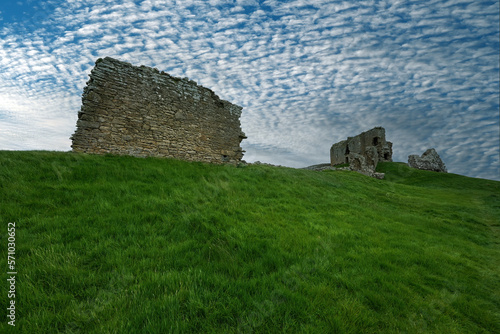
x,y
308,73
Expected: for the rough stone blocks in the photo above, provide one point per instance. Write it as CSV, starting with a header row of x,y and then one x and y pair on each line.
x,y
430,160
143,112
363,152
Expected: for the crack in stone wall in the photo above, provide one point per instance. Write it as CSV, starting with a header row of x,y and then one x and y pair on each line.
x,y
139,111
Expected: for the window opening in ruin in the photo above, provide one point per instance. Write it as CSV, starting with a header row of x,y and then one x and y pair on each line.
x,y
346,160
225,158
347,150
375,141
386,156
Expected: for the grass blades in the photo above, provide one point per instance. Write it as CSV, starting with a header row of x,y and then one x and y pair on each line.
x,y
115,244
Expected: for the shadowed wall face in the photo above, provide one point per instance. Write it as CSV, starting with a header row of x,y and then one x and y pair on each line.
x,y
139,111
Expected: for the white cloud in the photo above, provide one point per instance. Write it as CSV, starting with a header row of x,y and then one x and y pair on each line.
x,y
308,73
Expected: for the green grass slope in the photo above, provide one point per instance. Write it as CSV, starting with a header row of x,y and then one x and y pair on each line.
x,y
108,244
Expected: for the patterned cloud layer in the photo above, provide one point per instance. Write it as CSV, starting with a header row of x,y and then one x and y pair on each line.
x,y
308,73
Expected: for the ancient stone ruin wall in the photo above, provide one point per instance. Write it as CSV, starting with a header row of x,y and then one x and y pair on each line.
x,y
141,112
361,144
430,160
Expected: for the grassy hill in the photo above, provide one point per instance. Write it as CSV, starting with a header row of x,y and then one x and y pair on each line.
x,y
108,244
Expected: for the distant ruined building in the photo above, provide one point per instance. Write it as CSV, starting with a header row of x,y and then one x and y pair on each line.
x,y
363,152
140,111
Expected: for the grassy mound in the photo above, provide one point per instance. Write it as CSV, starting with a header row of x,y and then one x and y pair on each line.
x,y
108,244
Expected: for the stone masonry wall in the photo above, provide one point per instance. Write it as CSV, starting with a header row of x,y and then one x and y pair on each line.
x,y
360,144
141,112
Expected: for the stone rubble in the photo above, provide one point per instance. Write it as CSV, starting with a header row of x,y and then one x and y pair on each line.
x,y
429,160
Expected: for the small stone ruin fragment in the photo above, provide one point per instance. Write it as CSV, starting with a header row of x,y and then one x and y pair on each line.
x,y
430,160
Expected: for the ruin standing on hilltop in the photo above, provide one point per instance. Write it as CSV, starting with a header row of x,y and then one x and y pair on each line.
x,y
340,153
139,111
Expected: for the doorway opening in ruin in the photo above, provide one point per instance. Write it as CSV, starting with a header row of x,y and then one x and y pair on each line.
x,y
375,141
346,154
386,156
225,158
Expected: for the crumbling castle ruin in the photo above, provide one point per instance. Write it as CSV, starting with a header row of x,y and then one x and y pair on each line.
x,y
361,144
140,111
429,160
363,152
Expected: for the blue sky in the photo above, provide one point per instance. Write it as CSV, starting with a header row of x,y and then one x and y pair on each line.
x,y
308,73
